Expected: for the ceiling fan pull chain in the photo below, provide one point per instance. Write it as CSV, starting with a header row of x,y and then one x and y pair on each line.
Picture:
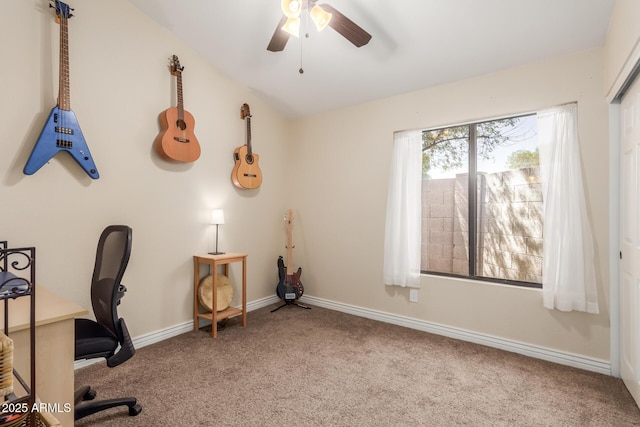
x,y
301,70
306,36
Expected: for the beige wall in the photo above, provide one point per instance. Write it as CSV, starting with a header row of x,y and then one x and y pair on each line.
x,y
340,161
342,167
622,47
120,82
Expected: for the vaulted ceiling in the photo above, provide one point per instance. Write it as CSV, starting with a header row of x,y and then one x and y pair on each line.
x,y
415,44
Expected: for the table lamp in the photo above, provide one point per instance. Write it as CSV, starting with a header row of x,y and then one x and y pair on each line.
x,y
217,218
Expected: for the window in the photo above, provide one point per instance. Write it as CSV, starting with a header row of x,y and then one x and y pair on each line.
x,y
482,213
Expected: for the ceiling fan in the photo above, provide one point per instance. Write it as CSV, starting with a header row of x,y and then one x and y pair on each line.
x,y
322,15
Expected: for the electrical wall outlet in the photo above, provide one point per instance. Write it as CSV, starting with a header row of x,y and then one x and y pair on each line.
x,y
413,295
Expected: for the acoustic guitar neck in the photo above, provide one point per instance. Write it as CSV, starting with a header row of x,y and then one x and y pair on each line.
x,y
177,71
245,114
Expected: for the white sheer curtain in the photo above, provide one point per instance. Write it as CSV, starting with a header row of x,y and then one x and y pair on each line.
x,y
569,280
403,230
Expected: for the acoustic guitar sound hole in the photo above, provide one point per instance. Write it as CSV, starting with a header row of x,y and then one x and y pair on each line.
x,y
181,124
249,159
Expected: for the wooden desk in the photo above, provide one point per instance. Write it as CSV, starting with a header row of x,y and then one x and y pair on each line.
x,y
214,261
55,335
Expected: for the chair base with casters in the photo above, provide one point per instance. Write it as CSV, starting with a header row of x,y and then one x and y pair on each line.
x,y
102,344
84,404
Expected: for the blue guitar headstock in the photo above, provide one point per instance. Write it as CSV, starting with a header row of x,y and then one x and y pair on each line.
x,y
62,9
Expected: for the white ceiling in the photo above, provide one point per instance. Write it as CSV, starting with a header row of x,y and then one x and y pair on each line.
x,y
415,44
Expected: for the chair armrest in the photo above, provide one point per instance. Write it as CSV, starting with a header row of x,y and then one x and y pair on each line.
x,y
127,350
121,290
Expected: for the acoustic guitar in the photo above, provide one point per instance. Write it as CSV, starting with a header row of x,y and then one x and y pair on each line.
x,y
290,287
62,132
246,173
176,141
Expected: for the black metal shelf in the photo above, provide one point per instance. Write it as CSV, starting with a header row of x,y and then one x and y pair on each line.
x,y
17,280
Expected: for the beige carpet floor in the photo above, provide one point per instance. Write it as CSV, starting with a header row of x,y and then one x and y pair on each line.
x,y
319,367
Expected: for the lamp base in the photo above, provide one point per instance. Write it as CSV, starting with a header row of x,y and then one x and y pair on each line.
x,y
216,253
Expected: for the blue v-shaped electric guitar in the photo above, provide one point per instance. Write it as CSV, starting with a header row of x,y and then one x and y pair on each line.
x,y
62,131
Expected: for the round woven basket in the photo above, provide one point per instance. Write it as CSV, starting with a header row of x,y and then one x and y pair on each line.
x,y
225,292
14,420
6,365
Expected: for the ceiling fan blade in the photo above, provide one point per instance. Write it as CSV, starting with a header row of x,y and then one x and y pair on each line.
x,y
346,27
280,37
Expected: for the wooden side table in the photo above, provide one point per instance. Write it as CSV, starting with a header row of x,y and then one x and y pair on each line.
x,y
214,261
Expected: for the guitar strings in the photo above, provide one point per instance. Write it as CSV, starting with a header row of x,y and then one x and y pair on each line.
x,y
63,76
63,132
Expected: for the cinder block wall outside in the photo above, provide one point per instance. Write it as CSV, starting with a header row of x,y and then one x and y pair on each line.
x,y
511,220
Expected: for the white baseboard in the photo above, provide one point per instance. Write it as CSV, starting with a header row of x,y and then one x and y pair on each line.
x,y
560,357
172,331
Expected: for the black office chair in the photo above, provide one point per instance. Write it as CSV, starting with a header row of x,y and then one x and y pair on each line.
x,y
101,338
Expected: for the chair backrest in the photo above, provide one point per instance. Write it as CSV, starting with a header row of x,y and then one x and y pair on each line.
x,y
112,257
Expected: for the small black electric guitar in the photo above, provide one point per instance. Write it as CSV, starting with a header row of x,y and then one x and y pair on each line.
x,y
290,287
284,290
62,132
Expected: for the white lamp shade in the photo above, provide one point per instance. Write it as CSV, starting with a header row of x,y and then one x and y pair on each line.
x,y
217,216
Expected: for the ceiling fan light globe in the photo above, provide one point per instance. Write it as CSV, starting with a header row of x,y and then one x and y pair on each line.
x,y
320,17
292,26
291,8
